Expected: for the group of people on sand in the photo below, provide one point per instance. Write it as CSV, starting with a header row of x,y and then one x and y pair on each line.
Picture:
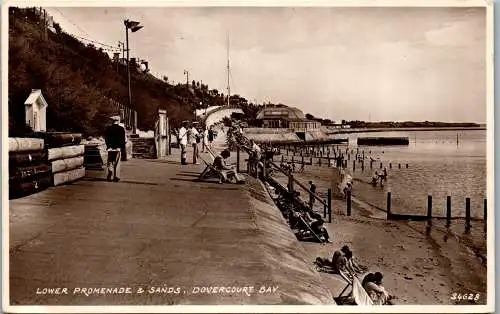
x,y
379,177
343,262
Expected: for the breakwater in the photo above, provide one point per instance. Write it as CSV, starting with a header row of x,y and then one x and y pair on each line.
x,y
377,141
422,129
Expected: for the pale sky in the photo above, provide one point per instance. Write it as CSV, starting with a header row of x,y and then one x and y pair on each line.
x,y
338,63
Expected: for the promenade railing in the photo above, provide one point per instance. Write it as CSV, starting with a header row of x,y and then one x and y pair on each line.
x,y
262,171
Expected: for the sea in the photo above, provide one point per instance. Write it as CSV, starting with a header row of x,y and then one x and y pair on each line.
x,y
440,164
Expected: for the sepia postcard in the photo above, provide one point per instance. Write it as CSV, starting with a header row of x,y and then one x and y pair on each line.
x,y
225,156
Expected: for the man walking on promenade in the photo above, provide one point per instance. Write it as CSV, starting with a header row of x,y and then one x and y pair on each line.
x,y
115,141
183,139
193,139
211,137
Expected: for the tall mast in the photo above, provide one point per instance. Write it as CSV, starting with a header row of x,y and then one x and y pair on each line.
x,y
228,88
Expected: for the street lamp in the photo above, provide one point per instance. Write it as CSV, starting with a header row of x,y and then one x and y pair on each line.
x,y
134,27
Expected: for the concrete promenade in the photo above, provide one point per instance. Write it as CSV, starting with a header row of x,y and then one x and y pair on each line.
x,y
158,228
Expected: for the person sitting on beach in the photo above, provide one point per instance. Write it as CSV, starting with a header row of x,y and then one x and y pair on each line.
x,y
339,262
228,172
351,263
372,284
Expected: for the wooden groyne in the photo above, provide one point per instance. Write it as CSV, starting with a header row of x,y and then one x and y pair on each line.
x,y
375,141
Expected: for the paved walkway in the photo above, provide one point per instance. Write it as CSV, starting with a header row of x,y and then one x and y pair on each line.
x,y
157,228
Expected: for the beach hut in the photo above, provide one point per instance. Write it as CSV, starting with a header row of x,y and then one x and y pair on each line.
x,y
36,111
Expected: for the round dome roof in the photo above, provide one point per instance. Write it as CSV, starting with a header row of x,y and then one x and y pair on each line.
x,y
290,113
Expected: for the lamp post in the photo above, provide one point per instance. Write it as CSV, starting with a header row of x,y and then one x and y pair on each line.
x,y
134,27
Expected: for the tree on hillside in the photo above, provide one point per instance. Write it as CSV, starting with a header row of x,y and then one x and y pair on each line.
x,y
309,116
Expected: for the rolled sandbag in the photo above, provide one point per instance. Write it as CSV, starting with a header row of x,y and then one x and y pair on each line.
x,y
19,174
68,176
20,144
19,159
62,165
60,139
24,188
66,152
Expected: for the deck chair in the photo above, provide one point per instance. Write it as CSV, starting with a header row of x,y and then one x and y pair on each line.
x,y
358,293
211,152
209,172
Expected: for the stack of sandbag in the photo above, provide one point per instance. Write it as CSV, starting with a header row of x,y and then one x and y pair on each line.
x,y
95,154
29,170
65,154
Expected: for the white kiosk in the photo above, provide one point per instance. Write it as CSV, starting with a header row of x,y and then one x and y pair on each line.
x,y
36,111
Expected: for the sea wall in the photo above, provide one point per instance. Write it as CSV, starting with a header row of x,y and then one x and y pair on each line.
x,y
291,267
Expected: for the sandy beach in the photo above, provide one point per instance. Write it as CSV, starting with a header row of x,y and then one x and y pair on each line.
x,y
418,269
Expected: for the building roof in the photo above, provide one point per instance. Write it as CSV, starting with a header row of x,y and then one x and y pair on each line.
x,y
34,96
289,113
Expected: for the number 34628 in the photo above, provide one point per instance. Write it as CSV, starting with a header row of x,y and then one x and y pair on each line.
x,y
465,296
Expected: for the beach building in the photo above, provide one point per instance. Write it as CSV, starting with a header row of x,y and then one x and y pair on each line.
x,y
286,117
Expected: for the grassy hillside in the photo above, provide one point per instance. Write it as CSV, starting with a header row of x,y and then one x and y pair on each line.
x,y
79,81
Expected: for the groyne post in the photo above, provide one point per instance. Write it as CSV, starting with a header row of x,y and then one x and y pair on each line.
x,y
429,210
319,161
311,161
485,214
371,164
390,165
406,165
467,215
330,205
282,158
363,165
448,211
238,158
354,165
389,205
429,214
399,166
302,160
348,203
380,165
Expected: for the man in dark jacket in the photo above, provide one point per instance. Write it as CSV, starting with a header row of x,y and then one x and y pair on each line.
x,y
115,140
